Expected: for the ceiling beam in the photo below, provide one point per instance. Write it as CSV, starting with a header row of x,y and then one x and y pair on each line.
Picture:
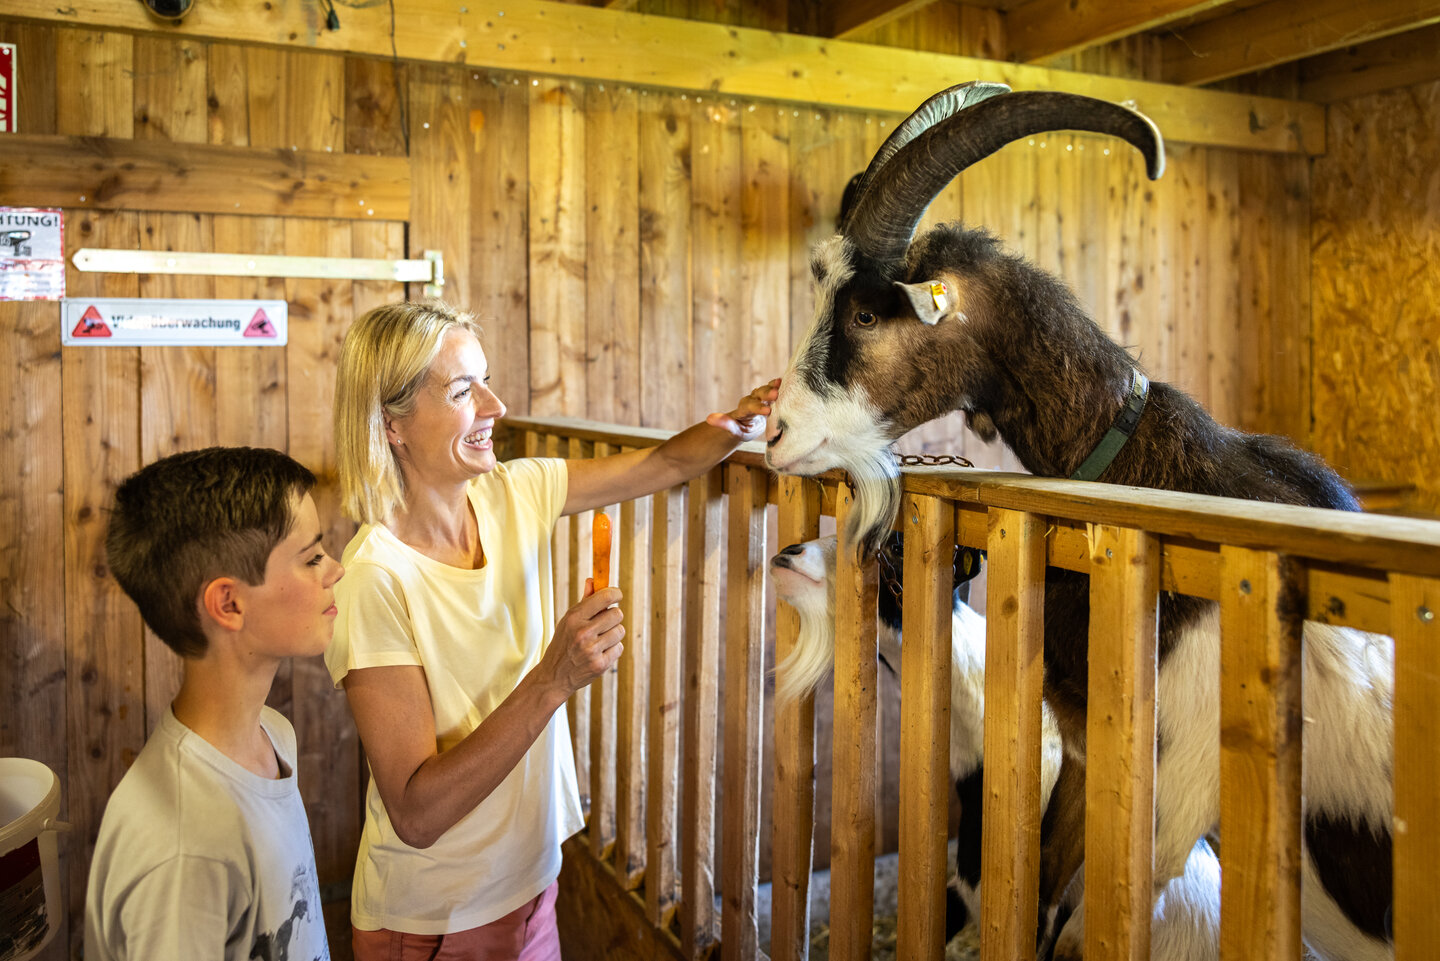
x,y
1042,29
1281,31
1401,60
556,39
847,19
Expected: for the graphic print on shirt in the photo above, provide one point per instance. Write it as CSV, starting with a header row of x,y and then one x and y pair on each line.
x,y
304,891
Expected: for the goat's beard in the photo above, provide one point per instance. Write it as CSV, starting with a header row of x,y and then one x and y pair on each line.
x,y
814,652
876,477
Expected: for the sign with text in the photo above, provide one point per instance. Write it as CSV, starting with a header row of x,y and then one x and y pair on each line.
x,y
145,321
32,253
7,88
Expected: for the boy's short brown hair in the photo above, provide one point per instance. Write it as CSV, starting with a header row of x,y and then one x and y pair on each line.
x,y
187,519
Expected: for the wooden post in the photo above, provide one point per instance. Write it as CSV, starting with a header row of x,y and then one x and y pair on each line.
x,y
579,705
1415,624
852,812
602,728
667,558
1120,743
1015,634
793,822
634,534
1262,604
702,683
929,526
744,700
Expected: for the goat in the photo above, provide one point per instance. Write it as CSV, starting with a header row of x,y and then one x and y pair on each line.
x,y
905,332
1185,925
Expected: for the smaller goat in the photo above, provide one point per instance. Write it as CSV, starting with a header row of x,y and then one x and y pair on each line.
x,y
1185,924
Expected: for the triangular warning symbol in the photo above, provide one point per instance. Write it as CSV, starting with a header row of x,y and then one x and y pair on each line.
x,y
260,325
91,324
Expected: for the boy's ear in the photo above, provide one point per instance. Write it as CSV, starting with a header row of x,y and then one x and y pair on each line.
x,y
220,603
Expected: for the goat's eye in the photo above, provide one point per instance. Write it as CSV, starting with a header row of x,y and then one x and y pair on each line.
x,y
864,318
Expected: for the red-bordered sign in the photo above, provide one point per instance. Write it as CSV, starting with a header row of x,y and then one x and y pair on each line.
x,y
7,88
32,253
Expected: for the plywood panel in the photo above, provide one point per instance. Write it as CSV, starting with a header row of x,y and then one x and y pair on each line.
x,y
1375,242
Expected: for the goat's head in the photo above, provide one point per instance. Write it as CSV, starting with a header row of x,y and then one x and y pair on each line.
x,y
892,344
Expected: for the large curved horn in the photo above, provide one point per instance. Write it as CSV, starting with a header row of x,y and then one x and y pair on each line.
x,y
936,109
892,203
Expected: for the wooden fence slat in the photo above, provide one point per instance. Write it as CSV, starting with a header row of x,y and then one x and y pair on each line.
x,y
793,821
1015,609
1120,742
852,814
662,774
1262,605
634,536
602,724
1415,602
580,562
744,698
929,526
702,688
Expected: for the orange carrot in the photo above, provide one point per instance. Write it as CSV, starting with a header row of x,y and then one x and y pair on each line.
x,y
600,540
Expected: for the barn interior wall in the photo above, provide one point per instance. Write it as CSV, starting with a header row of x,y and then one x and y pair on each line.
x,y
636,256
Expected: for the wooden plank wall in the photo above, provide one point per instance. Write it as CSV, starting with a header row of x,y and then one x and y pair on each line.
x,y
635,256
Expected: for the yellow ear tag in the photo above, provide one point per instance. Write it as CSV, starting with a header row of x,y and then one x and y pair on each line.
x,y
937,292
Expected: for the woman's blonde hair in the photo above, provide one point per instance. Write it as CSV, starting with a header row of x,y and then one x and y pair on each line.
x,y
383,364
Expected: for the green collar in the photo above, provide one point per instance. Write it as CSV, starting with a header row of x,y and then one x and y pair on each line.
x,y
1119,431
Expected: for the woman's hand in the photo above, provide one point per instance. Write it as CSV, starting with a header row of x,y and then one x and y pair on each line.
x,y
747,420
586,642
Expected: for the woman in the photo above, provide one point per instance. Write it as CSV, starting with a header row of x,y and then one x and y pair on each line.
x,y
447,644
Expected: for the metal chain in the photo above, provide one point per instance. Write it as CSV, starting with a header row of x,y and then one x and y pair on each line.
x,y
933,460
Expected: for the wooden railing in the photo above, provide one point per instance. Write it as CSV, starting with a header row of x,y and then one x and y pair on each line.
x,y
1270,567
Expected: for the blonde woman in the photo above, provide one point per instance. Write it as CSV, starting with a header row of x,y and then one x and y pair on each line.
x,y
447,643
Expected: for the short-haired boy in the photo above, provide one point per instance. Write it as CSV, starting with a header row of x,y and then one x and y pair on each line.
x,y
204,850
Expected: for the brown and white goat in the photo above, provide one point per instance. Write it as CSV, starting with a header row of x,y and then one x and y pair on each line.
x,y
907,331
1185,925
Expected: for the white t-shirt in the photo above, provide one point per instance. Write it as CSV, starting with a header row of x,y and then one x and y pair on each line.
x,y
200,858
475,633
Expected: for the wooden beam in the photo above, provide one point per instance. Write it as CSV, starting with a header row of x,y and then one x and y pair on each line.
x,y
1401,60
540,37
845,19
120,174
1043,29
1281,31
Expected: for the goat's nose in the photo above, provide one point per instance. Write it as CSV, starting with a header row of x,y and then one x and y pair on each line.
x,y
794,549
774,430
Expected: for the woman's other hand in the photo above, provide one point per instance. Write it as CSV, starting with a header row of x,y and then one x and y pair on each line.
x,y
747,420
587,640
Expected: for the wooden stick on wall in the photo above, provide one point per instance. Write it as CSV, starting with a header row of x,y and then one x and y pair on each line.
x,y
1015,622
702,684
667,553
793,824
1262,603
744,697
852,818
1120,742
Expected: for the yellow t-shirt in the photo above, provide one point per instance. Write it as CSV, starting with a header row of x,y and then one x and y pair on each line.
x,y
475,634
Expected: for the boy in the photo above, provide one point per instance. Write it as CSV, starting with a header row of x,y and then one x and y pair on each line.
x,y
204,850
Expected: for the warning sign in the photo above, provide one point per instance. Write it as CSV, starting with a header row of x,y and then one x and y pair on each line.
x,y
115,322
91,324
32,253
7,88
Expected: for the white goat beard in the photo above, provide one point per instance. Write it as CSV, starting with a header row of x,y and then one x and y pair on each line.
x,y
810,659
877,498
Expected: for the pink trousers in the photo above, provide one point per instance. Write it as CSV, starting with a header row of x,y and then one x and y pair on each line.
x,y
526,934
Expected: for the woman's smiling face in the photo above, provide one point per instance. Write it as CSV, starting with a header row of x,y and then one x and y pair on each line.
x,y
446,438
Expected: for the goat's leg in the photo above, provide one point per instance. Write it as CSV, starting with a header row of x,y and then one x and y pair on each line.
x,y
1062,848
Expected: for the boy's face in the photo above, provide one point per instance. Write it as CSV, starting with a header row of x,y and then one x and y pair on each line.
x,y
293,612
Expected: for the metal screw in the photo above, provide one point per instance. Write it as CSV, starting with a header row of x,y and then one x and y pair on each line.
x,y
1109,552
1424,613
1244,587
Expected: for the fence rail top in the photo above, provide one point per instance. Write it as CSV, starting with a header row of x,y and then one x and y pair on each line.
x,y
1377,541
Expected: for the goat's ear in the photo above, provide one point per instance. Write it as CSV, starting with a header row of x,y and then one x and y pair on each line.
x,y
931,300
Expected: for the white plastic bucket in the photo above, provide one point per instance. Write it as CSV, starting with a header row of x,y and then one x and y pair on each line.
x,y
29,866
